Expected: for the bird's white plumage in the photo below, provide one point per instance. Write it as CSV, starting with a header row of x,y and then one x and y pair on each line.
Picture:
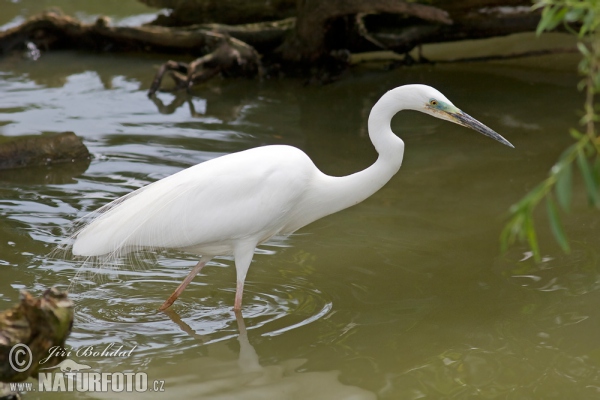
x,y
186,210
231,204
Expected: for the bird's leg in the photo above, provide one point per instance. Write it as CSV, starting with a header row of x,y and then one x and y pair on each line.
x,y
184,284
243,257
239,291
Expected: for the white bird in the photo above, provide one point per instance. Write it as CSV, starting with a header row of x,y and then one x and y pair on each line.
x,y
231,204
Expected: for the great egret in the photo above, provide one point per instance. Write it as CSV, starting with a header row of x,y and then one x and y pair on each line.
x,y
231,204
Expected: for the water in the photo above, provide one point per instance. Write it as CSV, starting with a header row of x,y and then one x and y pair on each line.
x,y
404,296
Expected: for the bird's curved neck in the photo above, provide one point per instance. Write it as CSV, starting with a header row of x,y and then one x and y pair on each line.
x,y
346,191
387,144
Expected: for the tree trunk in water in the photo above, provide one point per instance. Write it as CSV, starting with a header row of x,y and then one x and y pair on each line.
x,y
317,41
307,44
231,12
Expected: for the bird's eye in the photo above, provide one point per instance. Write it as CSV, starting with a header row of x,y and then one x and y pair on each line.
x,y
433,102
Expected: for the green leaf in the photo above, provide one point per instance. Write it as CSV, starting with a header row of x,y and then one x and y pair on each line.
x,y
532,237
530,200
556,226
559,17
548,20
597,82
564,186
588,23
538,4
512,230
583,49
575,134
505,237
588,178
574,14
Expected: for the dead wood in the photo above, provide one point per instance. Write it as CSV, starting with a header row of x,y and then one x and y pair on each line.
x,y
230,57
263,36
308,42
221,53
38,323
52,30
319,41
232,12
402,36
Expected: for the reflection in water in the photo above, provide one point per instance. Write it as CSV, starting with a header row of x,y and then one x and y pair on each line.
x,y
217,102
250,380
180,98
577,273
484,372
226,374
277,304
56,174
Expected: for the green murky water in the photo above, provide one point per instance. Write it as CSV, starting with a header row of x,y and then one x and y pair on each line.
x,y
404,296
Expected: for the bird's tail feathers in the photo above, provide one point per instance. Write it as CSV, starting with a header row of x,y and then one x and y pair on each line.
x,y
96,267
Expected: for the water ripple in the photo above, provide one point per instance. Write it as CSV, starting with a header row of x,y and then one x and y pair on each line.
x,y
129,307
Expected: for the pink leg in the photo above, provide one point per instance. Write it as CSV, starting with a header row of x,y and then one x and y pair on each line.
x,y
239,291
184,284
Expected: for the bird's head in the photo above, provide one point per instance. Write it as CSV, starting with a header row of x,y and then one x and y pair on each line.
x,y
430,101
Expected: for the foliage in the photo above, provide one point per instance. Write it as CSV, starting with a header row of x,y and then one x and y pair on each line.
x,y
582,18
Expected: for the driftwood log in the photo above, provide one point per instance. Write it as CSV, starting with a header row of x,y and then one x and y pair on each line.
x,y
39,323
229,56
308,43
42,150
319,37
231,12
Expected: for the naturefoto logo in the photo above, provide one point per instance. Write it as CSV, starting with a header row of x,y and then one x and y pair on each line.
x,y
71,376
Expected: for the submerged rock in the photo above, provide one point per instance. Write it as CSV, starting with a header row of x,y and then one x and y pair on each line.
x,y
42,150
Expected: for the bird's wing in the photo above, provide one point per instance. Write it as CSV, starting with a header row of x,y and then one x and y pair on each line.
x,y
238,196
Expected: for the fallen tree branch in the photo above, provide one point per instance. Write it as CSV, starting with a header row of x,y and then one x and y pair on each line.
x,y
231,57
263,36
510,56
53,30
189,12
308,42
317,43
484,23
221,53
34,326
